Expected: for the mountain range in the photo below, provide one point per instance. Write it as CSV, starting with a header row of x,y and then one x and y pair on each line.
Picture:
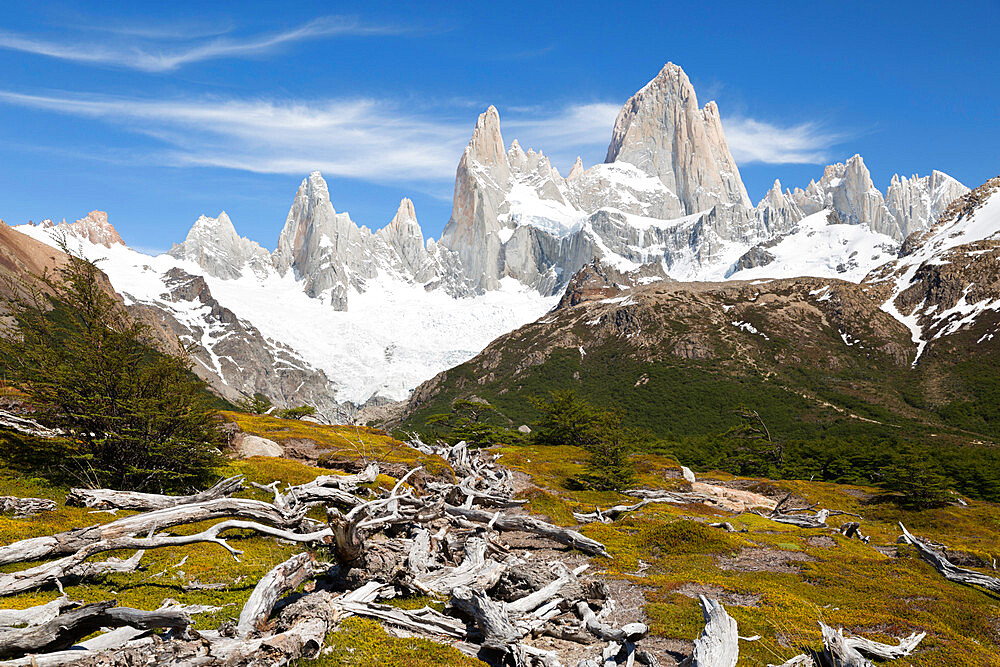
x,y
340,316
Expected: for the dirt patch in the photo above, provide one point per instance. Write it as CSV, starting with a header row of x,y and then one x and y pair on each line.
x,y
823,541
303,449
693,590
763,560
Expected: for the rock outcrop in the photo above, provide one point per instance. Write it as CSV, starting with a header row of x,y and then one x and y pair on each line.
x,y
662,131
908,206
214,245
94,228
231,354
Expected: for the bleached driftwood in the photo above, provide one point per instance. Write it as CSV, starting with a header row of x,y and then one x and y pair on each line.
x,y
63,631
719,644
27,426
25,507
281,579
527,524
76,565
72,541
631,632
143,502
853,651
397,540
491,619
951,572
36,615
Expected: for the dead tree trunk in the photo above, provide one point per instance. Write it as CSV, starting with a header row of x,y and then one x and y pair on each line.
x,y
719,644
529,524
75,566
281,579
143,502
25,507
72,541
951,572
66,629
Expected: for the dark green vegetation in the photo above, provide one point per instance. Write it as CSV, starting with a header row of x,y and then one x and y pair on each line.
x,y
133,418
675,366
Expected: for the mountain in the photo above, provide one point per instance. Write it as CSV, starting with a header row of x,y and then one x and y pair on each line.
x,y
669,198
910,351
364,316
214,245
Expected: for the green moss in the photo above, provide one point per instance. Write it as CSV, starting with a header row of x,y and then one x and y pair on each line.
x,y
548,506
341,443
360,642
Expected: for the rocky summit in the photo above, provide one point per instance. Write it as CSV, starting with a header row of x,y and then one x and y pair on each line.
x,y
368,315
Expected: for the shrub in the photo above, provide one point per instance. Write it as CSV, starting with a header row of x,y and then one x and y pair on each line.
x,y
566,420
134,418
297,413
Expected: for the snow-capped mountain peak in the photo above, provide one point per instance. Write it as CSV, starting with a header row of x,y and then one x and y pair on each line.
x,y
215,246
662,131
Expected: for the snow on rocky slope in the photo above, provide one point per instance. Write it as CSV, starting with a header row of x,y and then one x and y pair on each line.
x,y
948,277
362,314
395,334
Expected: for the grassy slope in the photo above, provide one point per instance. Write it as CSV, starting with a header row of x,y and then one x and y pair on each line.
x,y
357,642
849,584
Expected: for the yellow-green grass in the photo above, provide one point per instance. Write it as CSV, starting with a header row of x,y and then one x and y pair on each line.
x,y
360,642
171,573
667,548
340,442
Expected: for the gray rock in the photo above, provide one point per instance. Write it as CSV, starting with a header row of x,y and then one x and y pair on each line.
x,y
214,245
245,445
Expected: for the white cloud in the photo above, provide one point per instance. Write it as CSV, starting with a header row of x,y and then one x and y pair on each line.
x,y
360,138
153,58
379,141
759,141
374,140
579,129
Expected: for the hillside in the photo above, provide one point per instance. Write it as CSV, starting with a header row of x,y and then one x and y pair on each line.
x,y
904,357
775,580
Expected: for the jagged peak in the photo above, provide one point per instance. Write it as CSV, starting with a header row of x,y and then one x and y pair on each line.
x,y
208,222
95,228
486,145
314,187
576,170
669,75
405,212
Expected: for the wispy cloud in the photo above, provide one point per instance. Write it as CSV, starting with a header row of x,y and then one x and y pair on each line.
x,y
150,57
375,140
369,139
759,141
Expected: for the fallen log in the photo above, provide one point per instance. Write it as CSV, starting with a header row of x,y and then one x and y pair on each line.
x,y
719,644
64,630
75,566
27,426
36,615
527,524
951,572
281,579
72,541
422,621
853,651
491,620
25,507
142,502
817,520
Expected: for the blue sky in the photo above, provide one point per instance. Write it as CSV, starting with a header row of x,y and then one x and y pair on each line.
x,y
158,112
